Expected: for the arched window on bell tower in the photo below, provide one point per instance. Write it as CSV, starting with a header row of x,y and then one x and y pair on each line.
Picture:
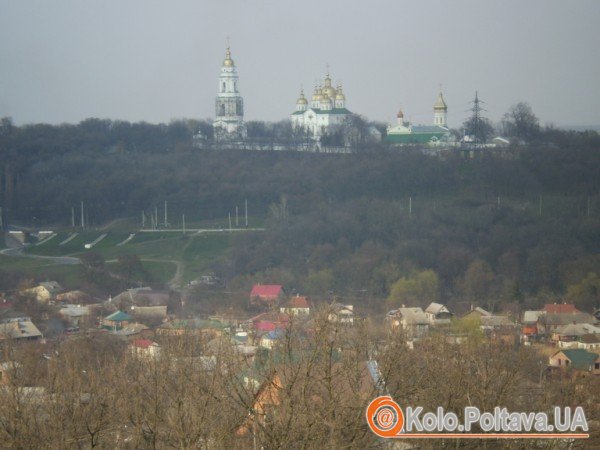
x,y
223,87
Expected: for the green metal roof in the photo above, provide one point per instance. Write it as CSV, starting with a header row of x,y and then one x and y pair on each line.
x,y
323,111
421,134
580,358
119,316
195,324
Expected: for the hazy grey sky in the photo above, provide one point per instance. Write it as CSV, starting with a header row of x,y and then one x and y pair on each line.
x,y
63,61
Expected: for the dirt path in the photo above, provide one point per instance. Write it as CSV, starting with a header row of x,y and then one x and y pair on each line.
x,y
18,252
175,281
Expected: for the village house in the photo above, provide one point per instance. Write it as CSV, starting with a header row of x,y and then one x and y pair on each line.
x,y
141,297
151,315
266,295
438,314
496,322
269,321
339,313
476,313
411,321
74,298
144,348
567,336
116,321
589,342
269,339
560,308
529,323
74,314
548,323
349,392
224,343
18,327
576,359
43,292
296,306
209,329
132,329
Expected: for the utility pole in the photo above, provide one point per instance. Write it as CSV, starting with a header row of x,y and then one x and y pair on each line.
x,y
498,201
246,205
229,215
72,217
82,221
410,206
183,222
165,214
477,119
155,217
143,219
236,216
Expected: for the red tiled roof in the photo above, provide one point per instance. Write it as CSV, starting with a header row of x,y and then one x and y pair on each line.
x,y
560,308
142,343
269,321
266,290
271,316
298,302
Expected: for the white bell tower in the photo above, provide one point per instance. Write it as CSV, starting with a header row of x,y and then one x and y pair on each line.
x,y
229,104
440,112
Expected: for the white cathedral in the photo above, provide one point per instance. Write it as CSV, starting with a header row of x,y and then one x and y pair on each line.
x,y
229,104
327,108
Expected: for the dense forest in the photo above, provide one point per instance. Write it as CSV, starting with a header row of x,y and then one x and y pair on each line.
x,y
379,225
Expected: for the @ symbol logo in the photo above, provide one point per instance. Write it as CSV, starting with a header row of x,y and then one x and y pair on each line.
x,y
384,416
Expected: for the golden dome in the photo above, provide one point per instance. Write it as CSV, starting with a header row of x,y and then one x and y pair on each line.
x,y
326,102
327,88
329,91
339,94
440,103
302,99
318,95
228,62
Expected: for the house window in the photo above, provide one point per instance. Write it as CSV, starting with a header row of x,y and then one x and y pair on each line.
x,y
566,362
597,366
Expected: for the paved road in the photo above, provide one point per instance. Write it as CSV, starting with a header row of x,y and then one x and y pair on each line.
x,y
18,252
